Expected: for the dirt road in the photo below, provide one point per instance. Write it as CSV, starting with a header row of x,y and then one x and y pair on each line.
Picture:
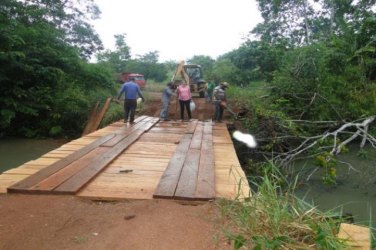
x,y
203,111
66,222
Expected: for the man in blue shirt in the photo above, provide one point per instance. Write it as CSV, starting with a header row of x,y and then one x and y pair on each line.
x,y
130,90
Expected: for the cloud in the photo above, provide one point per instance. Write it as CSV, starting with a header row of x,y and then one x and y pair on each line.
x,y
178,30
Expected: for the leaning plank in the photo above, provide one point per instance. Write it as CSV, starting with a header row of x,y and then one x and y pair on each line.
x,y
169,180
91,120
53,168
100,115
186,187
205,189
76,182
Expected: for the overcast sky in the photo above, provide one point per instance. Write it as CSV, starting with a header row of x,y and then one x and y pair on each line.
x,y
178,30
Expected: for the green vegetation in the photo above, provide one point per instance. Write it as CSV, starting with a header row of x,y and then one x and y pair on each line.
x,y
273,218
48,86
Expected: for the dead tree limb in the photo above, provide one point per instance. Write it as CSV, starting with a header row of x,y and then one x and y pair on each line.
x,y
354,129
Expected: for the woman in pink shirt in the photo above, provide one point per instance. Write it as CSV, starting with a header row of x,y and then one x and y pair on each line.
x,y
183,93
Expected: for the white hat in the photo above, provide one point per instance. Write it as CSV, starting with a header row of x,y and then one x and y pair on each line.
x,y
224,84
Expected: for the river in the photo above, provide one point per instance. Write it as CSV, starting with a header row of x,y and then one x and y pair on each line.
x,y
16,151
355,191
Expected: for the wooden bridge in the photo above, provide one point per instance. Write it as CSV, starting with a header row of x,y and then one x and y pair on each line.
x,y
149,159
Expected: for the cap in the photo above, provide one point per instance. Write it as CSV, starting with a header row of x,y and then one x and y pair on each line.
x,y
224,84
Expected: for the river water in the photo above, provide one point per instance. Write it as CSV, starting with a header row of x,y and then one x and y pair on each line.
x,y
355,191
16,151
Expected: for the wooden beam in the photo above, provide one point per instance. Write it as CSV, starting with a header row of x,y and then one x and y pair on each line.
x,y
169,180
357,237
53,168
191,127
186,187
100,115
124,132
91,120
79,180
205,189
53,181
197,136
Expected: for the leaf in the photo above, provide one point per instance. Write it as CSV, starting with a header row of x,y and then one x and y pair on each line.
x,y
239,241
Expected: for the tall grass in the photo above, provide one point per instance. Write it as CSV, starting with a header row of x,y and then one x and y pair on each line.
x,y
153,86
274,218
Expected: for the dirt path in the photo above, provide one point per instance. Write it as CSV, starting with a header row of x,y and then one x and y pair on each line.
x,y
204,110
66,222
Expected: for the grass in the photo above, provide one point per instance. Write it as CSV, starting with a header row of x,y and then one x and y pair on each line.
x,y
153,86
248,94
273,218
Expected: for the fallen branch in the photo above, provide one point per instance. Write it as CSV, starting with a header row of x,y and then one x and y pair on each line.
x,y
361,129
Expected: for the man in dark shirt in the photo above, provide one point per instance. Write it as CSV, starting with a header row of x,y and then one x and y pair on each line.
x,y
130,90
220,100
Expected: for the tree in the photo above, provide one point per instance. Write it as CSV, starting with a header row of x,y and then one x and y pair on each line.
x,y
118,58
148,65
225,70
46,88
72,19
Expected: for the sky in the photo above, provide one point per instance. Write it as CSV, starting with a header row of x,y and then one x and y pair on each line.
x,y
178,30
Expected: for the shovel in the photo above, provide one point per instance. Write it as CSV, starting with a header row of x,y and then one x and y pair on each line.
x,y
225,106
236,115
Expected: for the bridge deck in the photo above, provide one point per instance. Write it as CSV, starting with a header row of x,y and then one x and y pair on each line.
x,y
150,159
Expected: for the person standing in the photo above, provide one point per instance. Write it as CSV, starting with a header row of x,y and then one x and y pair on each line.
x,y
131,90
210,89
220,100
166,96
184,95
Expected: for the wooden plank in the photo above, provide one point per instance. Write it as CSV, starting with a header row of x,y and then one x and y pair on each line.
x,y
121,186
76,182
186,187
53,168
121,135
53,181
197,136
7,180
191,127
206,175
169,180
167,130
358,237
99,116
91,120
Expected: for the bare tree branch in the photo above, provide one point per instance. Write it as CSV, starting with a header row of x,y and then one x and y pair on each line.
x,y
361,128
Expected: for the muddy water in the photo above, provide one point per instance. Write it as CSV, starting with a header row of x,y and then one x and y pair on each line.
x,y
16,151
355,191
